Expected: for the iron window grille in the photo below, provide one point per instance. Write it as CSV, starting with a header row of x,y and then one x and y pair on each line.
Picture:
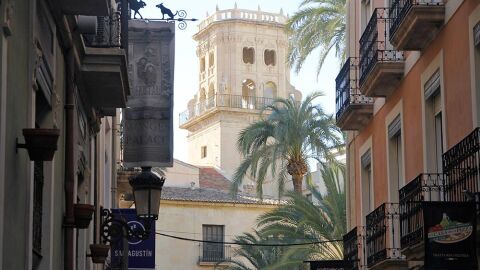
x,y
213,252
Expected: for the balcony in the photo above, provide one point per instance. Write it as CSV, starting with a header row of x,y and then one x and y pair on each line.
x,y
354,110
425,187
104,66
351,245
212,254
382,243
222,101
461,163
381,67
415,23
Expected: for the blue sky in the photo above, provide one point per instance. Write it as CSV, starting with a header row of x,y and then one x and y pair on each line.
x,y
186,61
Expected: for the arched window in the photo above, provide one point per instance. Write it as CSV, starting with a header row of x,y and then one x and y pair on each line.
x,y
248,94
210,96
248,55
269,57
202,64
270,90
201,100
211,60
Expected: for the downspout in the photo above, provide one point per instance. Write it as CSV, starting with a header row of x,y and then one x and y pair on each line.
x,y
113,160
69,220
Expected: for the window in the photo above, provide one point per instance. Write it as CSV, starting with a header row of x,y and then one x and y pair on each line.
x,y
248,55
202,64
366,178
433,124
248,94
211,59
366,9
270,90
213,252
269,57
395,161
204,151
476,53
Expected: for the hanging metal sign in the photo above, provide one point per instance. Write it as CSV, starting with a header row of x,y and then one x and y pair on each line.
x,y
148,118
450,235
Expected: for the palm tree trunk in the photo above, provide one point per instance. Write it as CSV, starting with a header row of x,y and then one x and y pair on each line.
x,y
297,183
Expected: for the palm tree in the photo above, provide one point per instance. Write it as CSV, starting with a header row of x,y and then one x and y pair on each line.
x,y
253,256
284,140
318,24
300,220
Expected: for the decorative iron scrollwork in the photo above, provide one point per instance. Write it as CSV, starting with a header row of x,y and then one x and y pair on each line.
x,y
114,229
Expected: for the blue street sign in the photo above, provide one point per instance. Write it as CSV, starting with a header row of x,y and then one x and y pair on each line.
x,y
141,253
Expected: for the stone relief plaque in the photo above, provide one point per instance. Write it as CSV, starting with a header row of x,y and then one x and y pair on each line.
x,y
148,118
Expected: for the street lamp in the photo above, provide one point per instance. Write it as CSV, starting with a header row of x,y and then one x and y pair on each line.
x,y
147,190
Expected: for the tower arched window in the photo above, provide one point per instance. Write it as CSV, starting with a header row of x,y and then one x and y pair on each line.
x,y
248,55
248,94
270,90
269,57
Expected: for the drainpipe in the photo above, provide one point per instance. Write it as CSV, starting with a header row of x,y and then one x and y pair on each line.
x,y
113,160
69,219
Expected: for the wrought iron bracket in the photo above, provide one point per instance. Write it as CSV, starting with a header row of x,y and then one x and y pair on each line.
x,y
182,21
114,229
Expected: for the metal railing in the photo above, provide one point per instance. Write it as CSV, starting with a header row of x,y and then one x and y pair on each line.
x,y
381,234
215,253
224,100
374,44
400,8
351,243
347,90
108,32
425,187
461,164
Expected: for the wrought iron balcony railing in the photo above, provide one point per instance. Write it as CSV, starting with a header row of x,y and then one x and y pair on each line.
x,y
223,100
351,244
382,234
425,187
108,32
214,253
414,22
374,44
461,164
400,8
347,89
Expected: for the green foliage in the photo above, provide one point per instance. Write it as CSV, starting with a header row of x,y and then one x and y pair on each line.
x,y
291,133
317,24
298,221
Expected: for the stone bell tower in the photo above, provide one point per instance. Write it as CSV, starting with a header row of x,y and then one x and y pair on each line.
x,y
242,58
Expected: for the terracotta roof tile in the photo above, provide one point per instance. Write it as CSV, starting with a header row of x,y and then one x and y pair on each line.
x,y
213,179
210,195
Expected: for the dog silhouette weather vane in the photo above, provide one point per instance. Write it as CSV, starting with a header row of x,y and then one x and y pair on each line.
x,y
179,16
